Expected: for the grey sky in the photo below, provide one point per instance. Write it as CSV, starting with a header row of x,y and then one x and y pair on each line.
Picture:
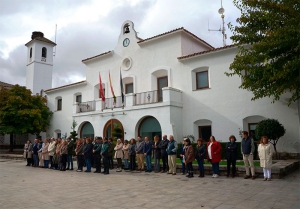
x,y
90,27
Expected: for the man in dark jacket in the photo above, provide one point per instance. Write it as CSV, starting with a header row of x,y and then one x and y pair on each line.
x,y
248,148
110,153
172,151
163,150
147,152
104,154
88,154
139,153
35,156
96,154
70,148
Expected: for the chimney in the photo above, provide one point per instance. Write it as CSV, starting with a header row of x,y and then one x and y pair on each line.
x,y
36,34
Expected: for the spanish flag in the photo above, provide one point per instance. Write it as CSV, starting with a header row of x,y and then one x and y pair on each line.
x,y
111,89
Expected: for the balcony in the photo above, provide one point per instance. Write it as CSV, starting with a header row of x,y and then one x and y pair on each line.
x,y
86,106
146,98
170,96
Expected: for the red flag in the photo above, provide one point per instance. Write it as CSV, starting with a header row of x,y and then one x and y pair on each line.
x,y
101,91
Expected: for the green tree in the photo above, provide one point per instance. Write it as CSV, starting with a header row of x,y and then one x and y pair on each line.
x,y
21,112
73,132
272,129
268,37
117,133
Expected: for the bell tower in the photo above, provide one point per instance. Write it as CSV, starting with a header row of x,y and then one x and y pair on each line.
x,y
39,63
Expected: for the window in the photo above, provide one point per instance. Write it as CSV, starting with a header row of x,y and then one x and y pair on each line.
x,y
128,88
78,98
251,130
204,132
202,80
161,83
59,104
30,53
58,135
44,52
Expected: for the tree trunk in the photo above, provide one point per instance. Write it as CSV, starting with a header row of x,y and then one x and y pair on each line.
x,y
274,145
11,142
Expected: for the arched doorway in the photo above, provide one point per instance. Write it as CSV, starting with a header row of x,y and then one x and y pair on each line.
x,y
110,126
87,130
149,126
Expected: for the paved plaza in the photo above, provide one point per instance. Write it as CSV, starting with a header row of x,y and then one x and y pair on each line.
x,y
27,187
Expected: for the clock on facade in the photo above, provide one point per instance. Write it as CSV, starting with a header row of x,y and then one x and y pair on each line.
x,y
126,42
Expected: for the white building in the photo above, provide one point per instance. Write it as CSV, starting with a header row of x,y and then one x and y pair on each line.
x,y
174,84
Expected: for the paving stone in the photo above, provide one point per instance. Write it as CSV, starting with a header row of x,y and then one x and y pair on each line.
x,y
27,187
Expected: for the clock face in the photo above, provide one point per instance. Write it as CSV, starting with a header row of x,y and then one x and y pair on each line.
x,y
126,42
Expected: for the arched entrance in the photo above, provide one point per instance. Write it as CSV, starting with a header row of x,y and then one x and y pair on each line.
x,y
110,126
149,126
87,130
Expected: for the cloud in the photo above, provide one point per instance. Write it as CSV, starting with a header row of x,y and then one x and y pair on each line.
x,y
88,28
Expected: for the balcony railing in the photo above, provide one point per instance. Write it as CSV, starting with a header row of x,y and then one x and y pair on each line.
x,y
109,103
146,97
86,106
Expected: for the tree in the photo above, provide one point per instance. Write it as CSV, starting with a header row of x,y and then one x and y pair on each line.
x,y
272,129
268,37
21,112
73,133
117,133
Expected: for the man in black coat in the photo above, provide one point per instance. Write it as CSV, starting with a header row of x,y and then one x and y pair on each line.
x,y
163,150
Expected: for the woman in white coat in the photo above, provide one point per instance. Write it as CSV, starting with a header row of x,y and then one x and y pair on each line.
x,y
265,153
119,154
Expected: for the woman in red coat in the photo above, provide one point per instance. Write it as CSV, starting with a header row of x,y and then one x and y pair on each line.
x,y
214,155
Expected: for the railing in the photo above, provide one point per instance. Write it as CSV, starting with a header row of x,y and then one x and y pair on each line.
x,y
109,103
146,97
86,106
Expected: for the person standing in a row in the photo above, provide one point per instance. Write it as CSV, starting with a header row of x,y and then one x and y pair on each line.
x,y
139,153
200,156
163,145
79,154
147,150
265,153
248,148
28,152
231,156
119,154
96,154
214,149
132,153
88,154
104,154
189,157
156,154
172,152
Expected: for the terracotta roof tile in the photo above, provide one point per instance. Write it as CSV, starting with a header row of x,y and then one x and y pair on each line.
x,y
175,30
205,52
68,85
99,55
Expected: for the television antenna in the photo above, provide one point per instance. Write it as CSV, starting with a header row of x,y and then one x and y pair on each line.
x,y
222,29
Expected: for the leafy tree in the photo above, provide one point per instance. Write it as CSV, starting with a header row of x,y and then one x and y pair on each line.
x,y
21,112
117,133
268,37
270,128
73,133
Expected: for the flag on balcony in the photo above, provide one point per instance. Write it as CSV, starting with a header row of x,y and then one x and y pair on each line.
x,y
111,89
122,90
101,91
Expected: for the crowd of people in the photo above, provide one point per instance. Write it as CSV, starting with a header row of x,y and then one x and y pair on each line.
x,y
58,154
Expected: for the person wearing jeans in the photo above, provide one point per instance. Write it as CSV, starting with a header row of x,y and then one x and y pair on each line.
x,y
248,148
214,149
147,150
88,154
172,151
119,154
